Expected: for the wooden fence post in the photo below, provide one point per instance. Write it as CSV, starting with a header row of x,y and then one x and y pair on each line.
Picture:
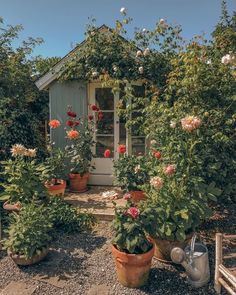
x,y
219,239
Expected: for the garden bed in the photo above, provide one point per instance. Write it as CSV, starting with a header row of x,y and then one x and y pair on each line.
x,y
78,263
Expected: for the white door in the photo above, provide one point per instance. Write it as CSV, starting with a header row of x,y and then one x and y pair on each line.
x,y
109,133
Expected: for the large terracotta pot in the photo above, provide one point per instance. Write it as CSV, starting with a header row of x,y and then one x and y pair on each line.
x,y
163,248
78,183
137,196
56,189
132,269
22,260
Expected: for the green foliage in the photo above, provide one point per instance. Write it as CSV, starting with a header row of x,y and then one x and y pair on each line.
x,y
23,108
131,172
54,166
79,150
22,180
28,232
67,217
129,235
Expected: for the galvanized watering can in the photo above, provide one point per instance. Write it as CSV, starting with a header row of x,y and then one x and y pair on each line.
x,y
194,259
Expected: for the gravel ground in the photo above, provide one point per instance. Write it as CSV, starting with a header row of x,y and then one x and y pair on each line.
x,y
84,260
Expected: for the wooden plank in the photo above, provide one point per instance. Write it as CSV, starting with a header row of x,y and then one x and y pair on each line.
x,y
218,262
226,286
230,237
228,275
230,256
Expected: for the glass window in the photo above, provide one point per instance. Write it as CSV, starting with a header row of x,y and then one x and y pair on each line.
x,y
103,143
106,125
104,98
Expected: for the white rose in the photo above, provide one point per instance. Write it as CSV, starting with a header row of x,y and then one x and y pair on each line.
x,y
153,141
94,74
162,21
115,68
139,53
140,69
226,59
123,10
144,30
208,62
146,52
172,124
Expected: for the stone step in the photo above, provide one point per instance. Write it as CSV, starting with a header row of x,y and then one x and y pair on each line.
x,y
97,200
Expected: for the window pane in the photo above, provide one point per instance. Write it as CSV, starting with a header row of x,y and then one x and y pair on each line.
x,y
103,143
138,91
104,98
106,125
138,145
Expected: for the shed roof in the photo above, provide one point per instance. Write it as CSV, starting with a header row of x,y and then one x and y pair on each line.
x,y
46,79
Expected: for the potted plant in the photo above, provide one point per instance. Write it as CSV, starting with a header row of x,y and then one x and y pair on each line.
x,y
79,151
131,249
131,174
28,235
178,196
22,182
53,172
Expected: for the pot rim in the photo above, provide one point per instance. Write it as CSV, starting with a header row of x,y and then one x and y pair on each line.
x,y
121,253
20,256
77,175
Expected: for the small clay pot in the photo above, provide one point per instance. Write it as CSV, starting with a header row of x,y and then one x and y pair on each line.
x,y
12,207
137,196
56,189
164,247
78,183
132,269
22,260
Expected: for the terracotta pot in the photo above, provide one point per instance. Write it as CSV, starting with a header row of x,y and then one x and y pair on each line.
x,y
56,189
78,183
22,260
132,269
137,196
163,248
12,207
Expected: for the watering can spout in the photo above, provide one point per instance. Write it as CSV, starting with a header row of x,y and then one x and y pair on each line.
x,y
178,256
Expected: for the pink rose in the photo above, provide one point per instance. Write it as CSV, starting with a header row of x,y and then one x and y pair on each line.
x,y
169,169
127,196
190,123
133,212
156,182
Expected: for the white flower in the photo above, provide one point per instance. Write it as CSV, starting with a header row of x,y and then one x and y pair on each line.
x,y
153,141
140,69
137,169
92,33
226,59
18,150
144,30
94,74
30,153
139,53
123,11
209,62
162,21
115,69
146,52
172,124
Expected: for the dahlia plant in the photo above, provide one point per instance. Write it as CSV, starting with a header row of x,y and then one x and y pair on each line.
x,y
129,235
130,171
22,179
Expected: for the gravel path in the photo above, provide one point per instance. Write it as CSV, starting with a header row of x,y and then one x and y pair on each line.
x,y
84,260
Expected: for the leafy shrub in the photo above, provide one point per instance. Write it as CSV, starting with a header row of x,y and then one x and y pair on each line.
x,y
67,217
22,180
129,235
131,172
28,232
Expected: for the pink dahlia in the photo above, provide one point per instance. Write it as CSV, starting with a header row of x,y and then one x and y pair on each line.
x,y
169,169
133,212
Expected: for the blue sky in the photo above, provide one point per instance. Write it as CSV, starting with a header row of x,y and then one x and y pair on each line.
x,y
61,23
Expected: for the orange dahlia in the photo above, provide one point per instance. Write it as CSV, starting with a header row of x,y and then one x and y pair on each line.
x,y
73,134
54,123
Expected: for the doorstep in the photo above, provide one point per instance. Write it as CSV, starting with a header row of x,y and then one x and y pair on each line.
x,y
97,200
